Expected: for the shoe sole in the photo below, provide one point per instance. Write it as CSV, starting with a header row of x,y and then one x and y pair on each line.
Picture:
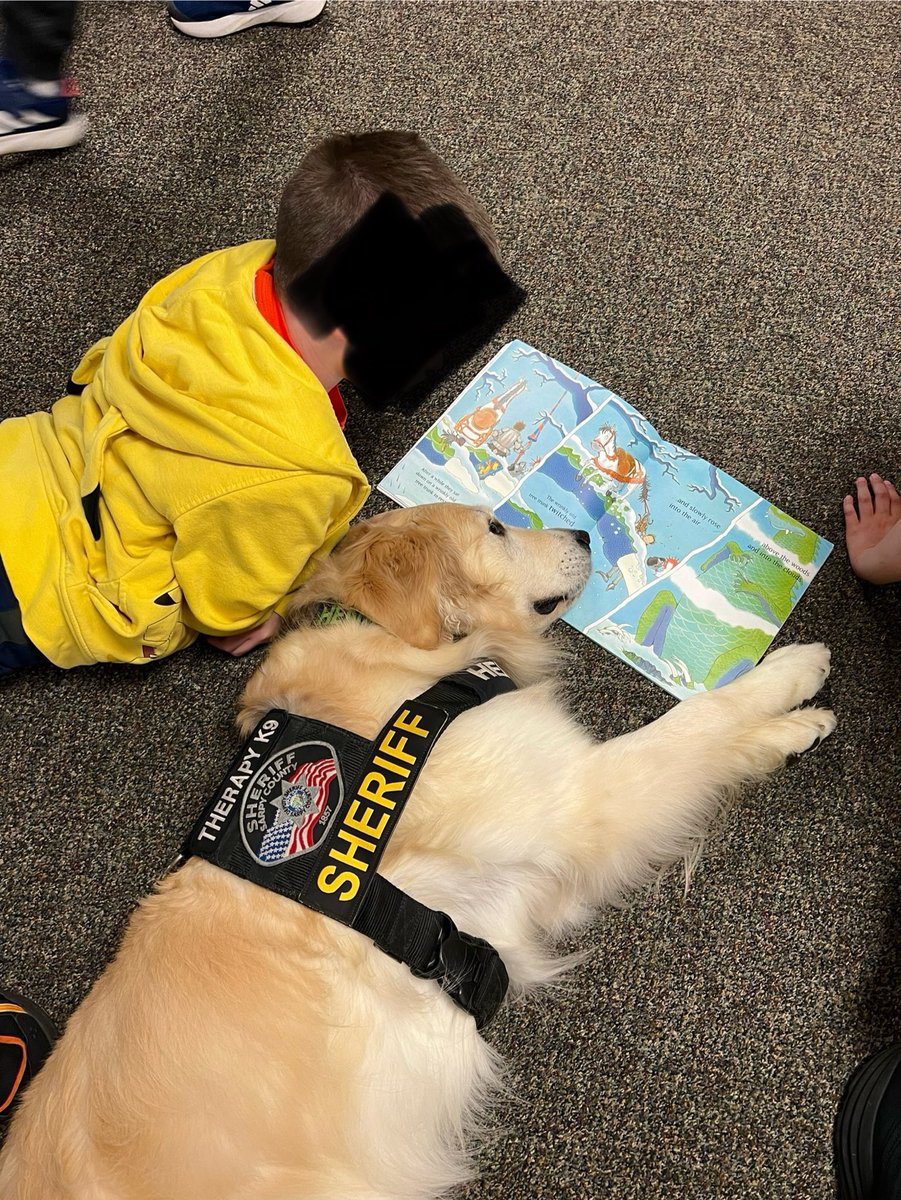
x,y
294,12
30,1009
856,1123
57,137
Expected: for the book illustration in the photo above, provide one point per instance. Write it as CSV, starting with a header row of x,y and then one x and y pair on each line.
x,y
498,429
714,614
694,573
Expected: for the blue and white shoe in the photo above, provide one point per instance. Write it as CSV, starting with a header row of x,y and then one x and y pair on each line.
x,y
216,18
35,115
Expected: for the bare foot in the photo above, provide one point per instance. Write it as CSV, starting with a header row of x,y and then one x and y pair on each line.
x,y
873,530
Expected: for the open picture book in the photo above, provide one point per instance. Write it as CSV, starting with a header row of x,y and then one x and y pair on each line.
x,y
693,573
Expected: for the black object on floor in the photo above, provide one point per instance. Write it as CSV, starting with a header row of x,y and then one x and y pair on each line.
x,y
868,1130
26,1037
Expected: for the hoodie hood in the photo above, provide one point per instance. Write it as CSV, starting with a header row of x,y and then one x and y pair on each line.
x,y
197,363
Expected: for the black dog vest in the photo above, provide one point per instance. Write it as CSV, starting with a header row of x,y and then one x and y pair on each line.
x,y
307,809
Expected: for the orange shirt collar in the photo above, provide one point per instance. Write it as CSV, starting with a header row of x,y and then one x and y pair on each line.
x,y
271,309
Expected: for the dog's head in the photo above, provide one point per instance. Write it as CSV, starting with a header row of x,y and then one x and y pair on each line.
x,y
439,571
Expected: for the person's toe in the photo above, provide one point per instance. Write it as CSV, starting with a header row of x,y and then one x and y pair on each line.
x,y
893,497
864,498
881,502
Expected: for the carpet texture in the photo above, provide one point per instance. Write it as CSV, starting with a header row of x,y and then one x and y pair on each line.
x,y
700,201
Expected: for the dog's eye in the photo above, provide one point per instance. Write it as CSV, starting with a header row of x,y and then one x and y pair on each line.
x,y
496,527
547,606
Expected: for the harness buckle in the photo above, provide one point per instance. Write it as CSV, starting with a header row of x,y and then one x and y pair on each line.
x,y
469,969
173,866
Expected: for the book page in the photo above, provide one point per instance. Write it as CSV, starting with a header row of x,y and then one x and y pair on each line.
x,y
693,572
501,426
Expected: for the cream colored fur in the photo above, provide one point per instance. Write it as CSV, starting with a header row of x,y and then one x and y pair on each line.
x,y
241,1047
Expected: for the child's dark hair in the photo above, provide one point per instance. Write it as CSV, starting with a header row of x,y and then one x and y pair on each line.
x,y
339,180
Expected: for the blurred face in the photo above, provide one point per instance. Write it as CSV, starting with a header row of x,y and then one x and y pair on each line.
x,y
413,297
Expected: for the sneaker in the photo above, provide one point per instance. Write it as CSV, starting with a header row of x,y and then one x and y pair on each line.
x,y
867,1135
26,1036
35,115
216,18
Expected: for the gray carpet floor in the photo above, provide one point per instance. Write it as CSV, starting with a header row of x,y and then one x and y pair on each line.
x,y
700,201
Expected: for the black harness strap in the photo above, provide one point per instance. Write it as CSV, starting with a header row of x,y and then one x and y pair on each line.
x,y
468,968
285,818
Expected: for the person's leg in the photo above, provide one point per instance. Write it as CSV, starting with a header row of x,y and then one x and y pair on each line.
x,y
34,112
26,1037
36,38
873,530
16,648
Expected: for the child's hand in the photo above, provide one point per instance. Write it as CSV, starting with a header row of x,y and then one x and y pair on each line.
x,y
239,643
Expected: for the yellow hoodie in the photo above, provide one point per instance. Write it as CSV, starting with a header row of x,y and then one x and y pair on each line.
x,y
190,487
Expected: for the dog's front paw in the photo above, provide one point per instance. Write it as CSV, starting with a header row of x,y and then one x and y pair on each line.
x,y
797,731
791,675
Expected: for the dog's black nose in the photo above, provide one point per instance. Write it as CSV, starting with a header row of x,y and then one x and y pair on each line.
x,y
582,537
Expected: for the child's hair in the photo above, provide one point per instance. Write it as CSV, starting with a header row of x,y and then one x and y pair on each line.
x,y
339,180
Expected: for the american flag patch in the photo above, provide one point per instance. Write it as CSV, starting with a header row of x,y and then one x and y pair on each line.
x,y
290,802
304,798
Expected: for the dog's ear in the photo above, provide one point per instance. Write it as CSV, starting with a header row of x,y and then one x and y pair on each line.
x,y
402,579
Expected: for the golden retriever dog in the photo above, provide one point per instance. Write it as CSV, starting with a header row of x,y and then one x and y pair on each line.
x,y
242,1046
